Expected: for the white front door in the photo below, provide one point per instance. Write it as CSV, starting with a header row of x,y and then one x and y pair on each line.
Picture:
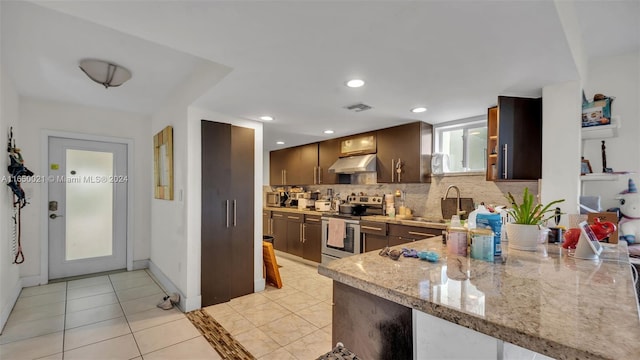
x,y
87,206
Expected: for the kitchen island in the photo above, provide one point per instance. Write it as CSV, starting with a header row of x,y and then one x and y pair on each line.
x,y
545,301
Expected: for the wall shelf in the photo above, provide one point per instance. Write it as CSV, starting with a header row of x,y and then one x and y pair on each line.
x,y
602,131
603,176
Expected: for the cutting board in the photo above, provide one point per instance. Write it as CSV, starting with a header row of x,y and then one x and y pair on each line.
x,y
448,207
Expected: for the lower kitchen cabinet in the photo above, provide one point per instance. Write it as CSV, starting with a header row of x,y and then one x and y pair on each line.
x,y
279,230
402,234
312,238
374,235
267,227
294,234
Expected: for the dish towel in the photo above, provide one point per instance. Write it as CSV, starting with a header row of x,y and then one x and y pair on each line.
x,y
337,230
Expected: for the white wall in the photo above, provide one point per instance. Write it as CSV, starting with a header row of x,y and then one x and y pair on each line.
x,y
10,285
38,115
175,247
617,76
561,145
195,193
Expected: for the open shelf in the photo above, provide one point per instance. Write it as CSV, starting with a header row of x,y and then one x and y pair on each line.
x,y
602,131
603,176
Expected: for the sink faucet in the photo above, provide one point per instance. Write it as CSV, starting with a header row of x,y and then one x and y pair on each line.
x,y
459,210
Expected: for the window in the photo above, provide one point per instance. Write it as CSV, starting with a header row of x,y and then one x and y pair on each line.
x,y
465,141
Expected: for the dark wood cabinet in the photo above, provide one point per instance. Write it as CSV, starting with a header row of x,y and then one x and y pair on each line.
x,y
279,230
410,144
266,223
374,235
312,238
294,234
402,234
294,166
515,151
227,230
328,153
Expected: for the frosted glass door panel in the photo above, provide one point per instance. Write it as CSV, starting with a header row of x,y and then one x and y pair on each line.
x,y
89,202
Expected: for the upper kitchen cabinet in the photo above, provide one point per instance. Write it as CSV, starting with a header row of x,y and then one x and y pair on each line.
x,y
404,153
294,166
514,139
328,153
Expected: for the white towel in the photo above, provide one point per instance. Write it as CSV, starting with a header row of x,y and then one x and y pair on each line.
x,y
337,231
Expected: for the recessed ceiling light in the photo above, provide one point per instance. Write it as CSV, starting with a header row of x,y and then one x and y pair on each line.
x,y
355,83
418,109
328,131
280,142
266,118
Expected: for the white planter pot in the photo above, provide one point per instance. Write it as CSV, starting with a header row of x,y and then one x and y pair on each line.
x,y
524,237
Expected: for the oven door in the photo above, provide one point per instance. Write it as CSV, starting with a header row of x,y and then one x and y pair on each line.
x,y
351,240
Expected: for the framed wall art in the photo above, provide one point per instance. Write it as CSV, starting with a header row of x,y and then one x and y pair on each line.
x,y
163,164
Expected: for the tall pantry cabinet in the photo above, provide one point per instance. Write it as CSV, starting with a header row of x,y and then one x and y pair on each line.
x,y
227,228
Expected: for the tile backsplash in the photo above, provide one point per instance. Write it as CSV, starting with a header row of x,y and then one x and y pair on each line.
x,y
424,199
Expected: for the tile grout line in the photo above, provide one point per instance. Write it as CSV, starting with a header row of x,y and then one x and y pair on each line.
x,y
125,317
64,320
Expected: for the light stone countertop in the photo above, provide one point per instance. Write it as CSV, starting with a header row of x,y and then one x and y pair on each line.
x,y
378,218
545,301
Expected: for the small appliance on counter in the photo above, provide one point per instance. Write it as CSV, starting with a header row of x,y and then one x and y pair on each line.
x,y
276,198
323,205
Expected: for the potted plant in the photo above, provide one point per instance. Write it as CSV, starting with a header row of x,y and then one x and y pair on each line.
x,y
525,231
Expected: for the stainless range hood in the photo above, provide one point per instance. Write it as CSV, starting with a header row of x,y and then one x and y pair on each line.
x,y
354,164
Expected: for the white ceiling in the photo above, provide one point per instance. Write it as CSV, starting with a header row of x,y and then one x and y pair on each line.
x,y
291,59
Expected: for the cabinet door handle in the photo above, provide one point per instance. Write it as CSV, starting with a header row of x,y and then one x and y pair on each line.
x,y
370,228
504,161
270,226
304,233
315,176
293,217
285,176
226,211
393,169
312,219
420,234
319,175
277,215
399,170
234,212
364,242
301,233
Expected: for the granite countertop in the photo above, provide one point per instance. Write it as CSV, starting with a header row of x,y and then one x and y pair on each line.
x,y
378,218
545,301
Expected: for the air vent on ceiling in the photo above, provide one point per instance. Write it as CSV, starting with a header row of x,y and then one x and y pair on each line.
x,y
358,107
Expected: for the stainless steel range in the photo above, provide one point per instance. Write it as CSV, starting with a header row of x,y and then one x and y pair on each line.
x,y
341,232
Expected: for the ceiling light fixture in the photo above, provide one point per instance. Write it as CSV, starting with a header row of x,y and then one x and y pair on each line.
x,y
266,118
105,73
355,83
280,142
418,109
328,131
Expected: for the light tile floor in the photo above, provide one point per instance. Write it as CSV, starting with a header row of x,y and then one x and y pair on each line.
x,y
115,317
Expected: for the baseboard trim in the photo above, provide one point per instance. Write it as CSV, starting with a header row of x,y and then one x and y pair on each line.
x,y
140,264
14,292
32,281
170,287
259,285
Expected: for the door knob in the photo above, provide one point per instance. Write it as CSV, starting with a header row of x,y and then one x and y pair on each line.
x,y
54,216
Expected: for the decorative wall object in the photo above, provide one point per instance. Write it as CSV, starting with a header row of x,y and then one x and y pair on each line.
x,y
163,164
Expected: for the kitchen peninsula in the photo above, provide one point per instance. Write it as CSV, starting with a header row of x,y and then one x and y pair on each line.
x,y
544,301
